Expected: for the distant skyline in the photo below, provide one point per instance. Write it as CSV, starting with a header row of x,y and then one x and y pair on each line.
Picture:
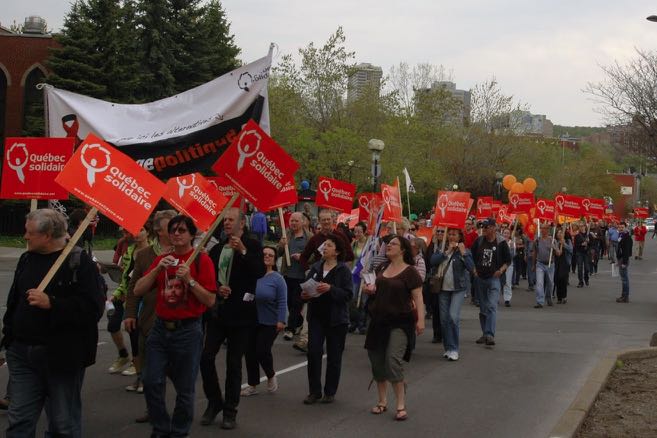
x,y
543,53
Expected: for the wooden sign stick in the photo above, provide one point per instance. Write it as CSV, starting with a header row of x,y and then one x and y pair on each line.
x,y
67,249
210,232
284,234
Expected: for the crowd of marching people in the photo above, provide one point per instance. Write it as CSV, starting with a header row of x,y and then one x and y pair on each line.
x,y
319,282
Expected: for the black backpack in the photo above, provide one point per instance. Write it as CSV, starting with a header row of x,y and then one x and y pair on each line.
x,y
101,291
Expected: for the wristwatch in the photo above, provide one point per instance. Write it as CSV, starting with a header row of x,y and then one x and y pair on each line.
x,y
192,283
243,252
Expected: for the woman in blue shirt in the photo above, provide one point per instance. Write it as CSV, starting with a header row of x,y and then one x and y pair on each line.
x,y
271,302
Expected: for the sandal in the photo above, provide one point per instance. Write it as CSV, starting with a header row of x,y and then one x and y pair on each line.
x,y
401,415
378,409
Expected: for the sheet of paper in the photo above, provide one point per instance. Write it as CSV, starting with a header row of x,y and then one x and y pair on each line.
x,y
310,287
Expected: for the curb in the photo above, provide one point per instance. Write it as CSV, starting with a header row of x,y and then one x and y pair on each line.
x,y
570,422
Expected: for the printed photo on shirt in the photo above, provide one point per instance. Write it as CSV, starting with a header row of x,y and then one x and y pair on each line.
x,y
175,291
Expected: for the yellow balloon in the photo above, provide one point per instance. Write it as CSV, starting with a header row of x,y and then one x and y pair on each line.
x,y
508,181
529,184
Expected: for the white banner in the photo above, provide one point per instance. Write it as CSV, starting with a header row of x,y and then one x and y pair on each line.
x,y
181,134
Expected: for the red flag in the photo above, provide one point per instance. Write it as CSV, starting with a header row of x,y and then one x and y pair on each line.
x,y
593,208
335,194
452,209
484,207
196,197
545,209
288,196
223,185
31,166
112,182
368,209
256,166
641,212
568,205
391,203
521,203
504,216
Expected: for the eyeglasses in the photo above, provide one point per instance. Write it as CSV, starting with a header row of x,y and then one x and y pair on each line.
x,y
268,254
179,230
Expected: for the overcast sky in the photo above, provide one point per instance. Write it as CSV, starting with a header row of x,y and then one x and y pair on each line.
x,y
541,51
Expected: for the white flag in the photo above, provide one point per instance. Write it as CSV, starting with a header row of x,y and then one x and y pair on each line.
x,y
409,184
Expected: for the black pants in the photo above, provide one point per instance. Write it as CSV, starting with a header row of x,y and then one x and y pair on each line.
x,y
114,326
435,316
562,287
334,337
258,353
294,303
238,338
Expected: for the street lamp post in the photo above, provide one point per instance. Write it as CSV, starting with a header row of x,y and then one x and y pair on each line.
x,y
497,189
376,146
350,164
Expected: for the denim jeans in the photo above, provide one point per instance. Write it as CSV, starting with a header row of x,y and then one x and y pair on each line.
x,y
508,284
582,267
531,275
175,353
489,295
450,314
34,386
544,276
625,281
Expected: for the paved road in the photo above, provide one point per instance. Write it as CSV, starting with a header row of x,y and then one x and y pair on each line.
x,y
518,389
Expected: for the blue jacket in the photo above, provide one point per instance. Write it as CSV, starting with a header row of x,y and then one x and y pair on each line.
x,y
460,264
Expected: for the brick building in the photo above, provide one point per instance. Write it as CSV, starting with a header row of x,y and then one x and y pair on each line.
x,y
22,66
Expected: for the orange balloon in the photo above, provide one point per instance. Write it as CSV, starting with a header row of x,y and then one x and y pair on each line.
x,y
508,181
529,184
517,188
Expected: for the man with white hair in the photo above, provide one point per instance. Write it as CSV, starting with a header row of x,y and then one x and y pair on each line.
x,y
51,334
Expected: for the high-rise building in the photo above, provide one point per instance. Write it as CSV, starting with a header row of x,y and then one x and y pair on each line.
x,y
526,123
461,115
364,75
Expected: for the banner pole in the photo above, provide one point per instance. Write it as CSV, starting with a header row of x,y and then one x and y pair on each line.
x,y
208,234
67,249
284,233
33,205
554,232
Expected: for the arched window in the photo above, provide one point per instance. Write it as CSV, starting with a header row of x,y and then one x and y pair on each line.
x,y
3,103
33,121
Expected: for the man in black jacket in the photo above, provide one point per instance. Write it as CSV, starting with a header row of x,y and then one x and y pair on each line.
x,y
239,262
623,255
492,256
50,335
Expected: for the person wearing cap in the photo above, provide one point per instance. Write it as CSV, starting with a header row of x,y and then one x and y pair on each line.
x,y
492,257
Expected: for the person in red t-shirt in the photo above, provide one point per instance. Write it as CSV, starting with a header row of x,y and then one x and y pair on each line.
x,y
639,232
173,346
470,234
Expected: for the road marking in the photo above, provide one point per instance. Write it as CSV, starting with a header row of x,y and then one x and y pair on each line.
x,y
284,370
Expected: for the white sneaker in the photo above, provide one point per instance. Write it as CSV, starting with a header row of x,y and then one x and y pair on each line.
x,y
118,365
249,390
288,335
453,356
446,354
130,371
272,384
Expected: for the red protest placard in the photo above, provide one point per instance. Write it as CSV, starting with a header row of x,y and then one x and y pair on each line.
x,y
223,185
256,166
109,180
641,212
452,209
196,197
287,196
503,215
484,207
593,207
351,219
521,203
495,206
568,205
368,209
335,194
545,209
425,233
31,165
392,207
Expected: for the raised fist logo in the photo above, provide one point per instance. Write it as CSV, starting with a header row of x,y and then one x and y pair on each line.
x,y
92,165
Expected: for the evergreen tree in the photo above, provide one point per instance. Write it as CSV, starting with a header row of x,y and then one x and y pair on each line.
x,y
215,45
159,50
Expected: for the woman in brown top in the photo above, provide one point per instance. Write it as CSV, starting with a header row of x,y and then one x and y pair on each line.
x,y
397,316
